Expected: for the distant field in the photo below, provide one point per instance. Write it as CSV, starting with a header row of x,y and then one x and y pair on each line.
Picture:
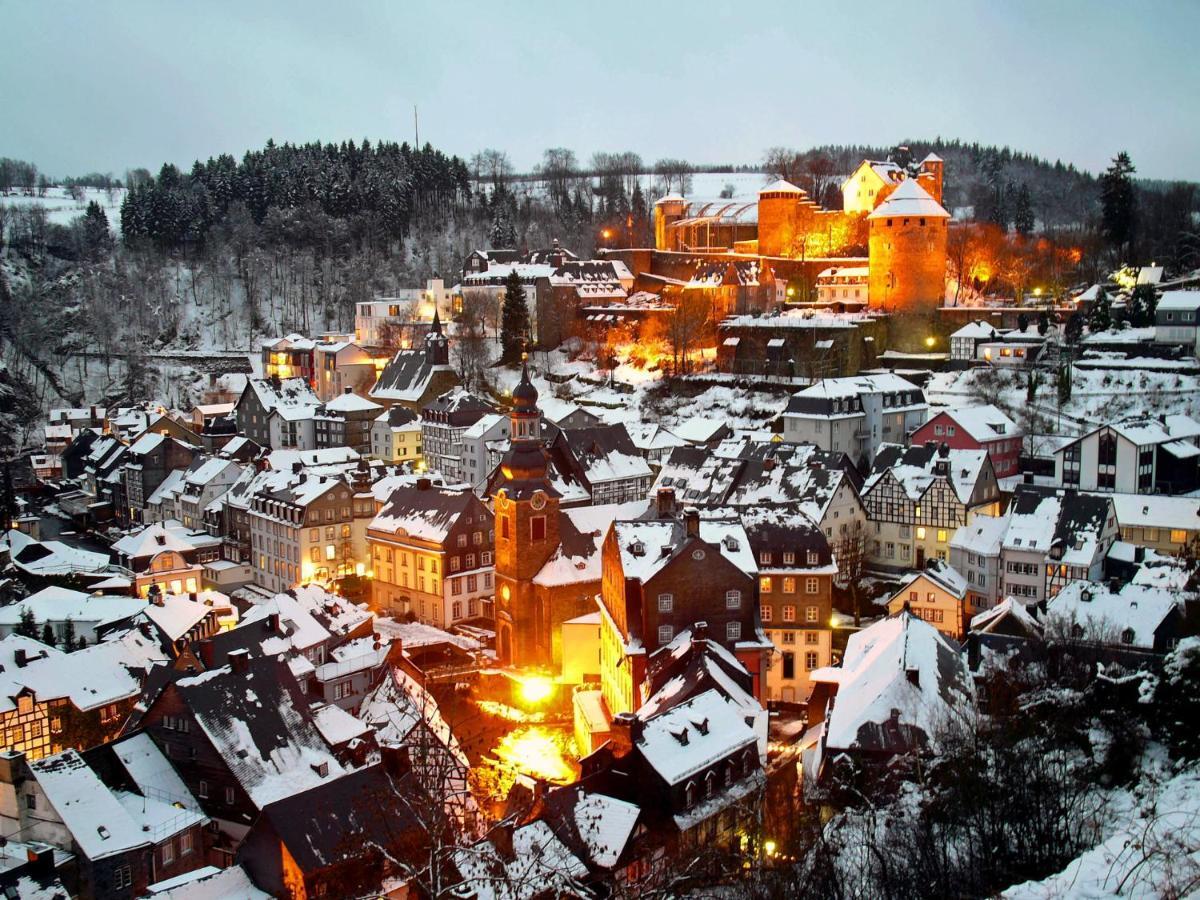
x,y
61,208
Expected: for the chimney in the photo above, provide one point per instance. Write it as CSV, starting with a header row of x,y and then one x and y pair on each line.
x,y
502,839
19,657
297,467
272,623
395,760
423,484
691,521
348,390
1027,478
157,599
239,661
40,858
913,675
700,631
666,502
626,729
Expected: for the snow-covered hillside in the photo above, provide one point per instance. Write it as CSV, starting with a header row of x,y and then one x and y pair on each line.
x,y
61,207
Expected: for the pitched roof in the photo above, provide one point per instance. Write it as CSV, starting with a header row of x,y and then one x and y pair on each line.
x,y
909,199
260,723
425,513
693,735
915,468
899,677
1134,611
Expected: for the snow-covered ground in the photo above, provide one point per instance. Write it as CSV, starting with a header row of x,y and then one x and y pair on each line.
x,y
1150,850
61,208
1097,395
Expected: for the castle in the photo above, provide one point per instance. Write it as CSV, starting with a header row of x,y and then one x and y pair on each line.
x,y
895,212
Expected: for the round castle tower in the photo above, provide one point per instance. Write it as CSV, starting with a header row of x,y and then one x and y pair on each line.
x,y
779,218
907,246
667,211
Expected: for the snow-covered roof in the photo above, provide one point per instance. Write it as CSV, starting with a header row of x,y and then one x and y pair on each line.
x,y
983,535
1130,615
260,723
93,814
989,619
1179,301
1058,520
605,825
1157,511
58,604
647,546
856,385
208,883
50,558
899,680
350,402
581,532
337,726
692,736
539,864
780,186
915,469
909,199
984,423
939,574
698,429
177,615
157,538
424,513
979,329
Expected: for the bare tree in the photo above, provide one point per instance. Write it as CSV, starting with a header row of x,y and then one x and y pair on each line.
x,y
851,555
672,175
470,339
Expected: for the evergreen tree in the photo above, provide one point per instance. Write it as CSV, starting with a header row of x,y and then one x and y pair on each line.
x,y
1118,202
1142,304
1074,329
1064,384
1100,316
27,626
97,239
1043,324
48,636
514,319
1023,211
1022,321
68,641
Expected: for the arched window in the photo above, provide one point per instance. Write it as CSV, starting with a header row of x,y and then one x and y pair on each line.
x,y
690,794
710,784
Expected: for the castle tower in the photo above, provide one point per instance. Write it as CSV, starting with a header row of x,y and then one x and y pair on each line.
x,y
437,348
907,246
667,211
932,169
526,507
779,219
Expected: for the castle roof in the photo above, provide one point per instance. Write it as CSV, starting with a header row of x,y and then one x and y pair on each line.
x,y
779,186
909,199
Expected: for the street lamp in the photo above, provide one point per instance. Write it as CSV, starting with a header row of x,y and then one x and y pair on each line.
x,y
930,341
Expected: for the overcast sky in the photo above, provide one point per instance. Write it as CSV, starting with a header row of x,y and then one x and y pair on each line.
x,y
88,85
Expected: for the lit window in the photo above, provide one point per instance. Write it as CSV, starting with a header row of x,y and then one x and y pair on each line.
x,y
764,584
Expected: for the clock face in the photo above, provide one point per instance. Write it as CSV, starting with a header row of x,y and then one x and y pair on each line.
x,y
538,501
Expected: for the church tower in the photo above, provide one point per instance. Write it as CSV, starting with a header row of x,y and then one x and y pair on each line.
x,y
437,348
526,507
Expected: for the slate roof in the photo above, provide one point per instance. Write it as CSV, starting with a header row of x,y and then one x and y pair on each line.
x,y
915,468
1047,519
260,723
343,819
428,514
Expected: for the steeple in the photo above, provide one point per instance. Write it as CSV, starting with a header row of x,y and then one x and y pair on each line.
x,y
437,348
525,418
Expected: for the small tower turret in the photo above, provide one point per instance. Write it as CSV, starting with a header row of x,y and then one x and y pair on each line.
x,y
437,348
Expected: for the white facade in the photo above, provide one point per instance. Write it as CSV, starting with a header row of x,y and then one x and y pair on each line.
x,y
372,317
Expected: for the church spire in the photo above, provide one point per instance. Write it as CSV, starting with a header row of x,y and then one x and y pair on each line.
x,y
437,348
525,419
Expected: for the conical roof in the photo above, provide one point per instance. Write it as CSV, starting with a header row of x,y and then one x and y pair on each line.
x,y
779,186
909,199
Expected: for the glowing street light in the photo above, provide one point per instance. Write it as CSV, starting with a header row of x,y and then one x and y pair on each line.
x,y
930,341
536,690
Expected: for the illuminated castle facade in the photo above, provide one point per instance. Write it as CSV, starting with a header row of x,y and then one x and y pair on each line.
x,y
896,213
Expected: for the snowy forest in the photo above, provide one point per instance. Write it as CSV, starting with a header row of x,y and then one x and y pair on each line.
x,y
292,236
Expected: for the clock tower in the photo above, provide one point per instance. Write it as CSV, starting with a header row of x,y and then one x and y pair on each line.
x,y
526,507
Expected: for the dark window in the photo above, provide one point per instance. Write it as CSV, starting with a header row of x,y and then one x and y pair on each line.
x,y
504,527
537,528
789,666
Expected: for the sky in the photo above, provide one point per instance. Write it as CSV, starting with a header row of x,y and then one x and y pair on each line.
x,y
105,86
